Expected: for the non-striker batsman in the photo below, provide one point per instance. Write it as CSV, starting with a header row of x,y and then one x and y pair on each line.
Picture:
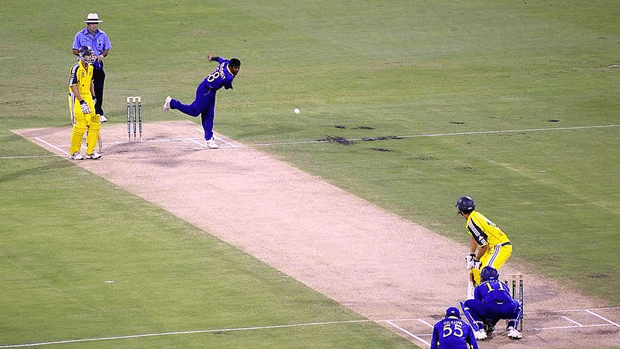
x,y
81,92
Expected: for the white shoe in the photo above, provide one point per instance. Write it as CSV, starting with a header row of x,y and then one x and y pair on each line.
x,y
480,335
93,156
102,118
76,156
513,333
167,103
211,143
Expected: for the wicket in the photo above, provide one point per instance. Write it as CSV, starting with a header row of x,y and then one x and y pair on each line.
x,y
515,282
134,106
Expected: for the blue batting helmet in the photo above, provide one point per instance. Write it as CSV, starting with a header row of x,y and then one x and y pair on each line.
x,y
85,50
489,273
452,311
465,204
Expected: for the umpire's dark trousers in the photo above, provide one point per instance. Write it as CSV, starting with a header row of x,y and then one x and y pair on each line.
x,y
98,81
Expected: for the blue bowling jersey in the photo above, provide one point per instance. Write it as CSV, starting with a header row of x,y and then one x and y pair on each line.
x,y
220,76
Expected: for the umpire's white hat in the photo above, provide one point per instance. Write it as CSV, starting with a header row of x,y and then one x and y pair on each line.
x,y
92,18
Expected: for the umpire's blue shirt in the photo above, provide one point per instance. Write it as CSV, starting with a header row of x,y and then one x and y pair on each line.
x,y
98,42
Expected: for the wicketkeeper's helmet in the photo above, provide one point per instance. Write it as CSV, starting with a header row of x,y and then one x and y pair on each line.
x,y
489,273
465,204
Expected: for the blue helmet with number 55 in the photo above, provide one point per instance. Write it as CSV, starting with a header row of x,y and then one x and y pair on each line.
x,y
453,312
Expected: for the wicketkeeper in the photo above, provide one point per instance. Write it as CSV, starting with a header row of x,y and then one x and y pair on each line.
x,y
492,302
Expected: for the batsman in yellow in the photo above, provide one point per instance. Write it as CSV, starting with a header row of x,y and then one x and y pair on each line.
x,y
489,245
81,91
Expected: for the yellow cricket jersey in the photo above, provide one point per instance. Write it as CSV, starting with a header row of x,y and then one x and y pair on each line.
x,y
484,231
82,77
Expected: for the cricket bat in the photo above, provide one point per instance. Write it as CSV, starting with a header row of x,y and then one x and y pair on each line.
x,y
471,283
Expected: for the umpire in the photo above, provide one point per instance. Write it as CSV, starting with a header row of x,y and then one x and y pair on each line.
x,y
100,43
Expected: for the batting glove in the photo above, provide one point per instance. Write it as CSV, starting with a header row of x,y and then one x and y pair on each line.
x,y
469,260
85,107
477,264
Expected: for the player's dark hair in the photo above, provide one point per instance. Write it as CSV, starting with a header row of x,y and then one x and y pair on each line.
x,y
234,62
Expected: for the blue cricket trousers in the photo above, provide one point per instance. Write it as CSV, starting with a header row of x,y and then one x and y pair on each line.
x,y
203,105
492,311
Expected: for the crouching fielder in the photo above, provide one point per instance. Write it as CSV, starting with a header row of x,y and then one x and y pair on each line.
x,y
453,333
81,92
492,302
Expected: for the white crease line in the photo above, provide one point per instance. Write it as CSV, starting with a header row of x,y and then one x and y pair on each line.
x,y
565,327
51,145
452,134
163,140
151,141
199,143
589,309
426,323
602,318
28,157
193,140
571,320
407,332
70,341
227,142
219,138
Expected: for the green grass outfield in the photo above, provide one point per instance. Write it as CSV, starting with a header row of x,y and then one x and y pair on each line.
x,y
514,92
